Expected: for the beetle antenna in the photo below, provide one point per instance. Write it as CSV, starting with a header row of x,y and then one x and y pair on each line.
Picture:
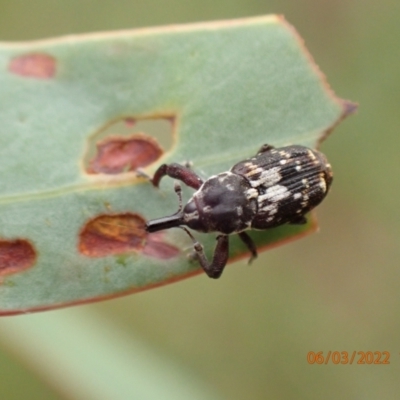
x,y
178,191
172,221
190,235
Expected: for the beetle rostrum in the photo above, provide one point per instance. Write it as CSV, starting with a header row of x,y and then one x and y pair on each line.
x,y
275,187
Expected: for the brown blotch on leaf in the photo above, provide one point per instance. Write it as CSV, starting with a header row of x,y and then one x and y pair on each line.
x,y
122,233
33,65
123,154
130,121
157,248
16,256
112,234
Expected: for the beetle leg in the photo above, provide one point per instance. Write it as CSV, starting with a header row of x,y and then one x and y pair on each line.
x,y
298,220
177,171
264,148
220,257
248,241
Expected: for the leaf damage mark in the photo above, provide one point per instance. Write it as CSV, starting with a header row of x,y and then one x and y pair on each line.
x,y
112,234
128,143
156,247
33,65
122,154
16,256
121,233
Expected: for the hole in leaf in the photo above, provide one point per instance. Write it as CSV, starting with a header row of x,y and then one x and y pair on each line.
x,y
33,65
128,144
16,256
120,154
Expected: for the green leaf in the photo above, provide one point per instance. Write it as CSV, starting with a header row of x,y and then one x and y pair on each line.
x,y
71,223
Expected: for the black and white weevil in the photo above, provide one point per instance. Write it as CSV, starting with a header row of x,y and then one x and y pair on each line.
x,y
275,187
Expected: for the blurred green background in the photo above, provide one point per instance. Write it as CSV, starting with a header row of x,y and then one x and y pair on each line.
x,y
247,335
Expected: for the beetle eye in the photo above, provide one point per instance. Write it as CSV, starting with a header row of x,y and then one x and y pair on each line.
x,y
190,207
191,217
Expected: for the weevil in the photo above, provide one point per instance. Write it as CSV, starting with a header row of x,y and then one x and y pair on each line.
x,y
277,186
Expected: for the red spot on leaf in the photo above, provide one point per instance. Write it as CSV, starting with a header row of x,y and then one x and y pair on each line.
x,y
130,121
157,248
33,65
112,234
16,256
121,154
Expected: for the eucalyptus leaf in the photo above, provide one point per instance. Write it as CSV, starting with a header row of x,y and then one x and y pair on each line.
x,y
71,231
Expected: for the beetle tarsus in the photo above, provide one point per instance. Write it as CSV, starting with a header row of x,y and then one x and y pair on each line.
x,y
248,241
141,174
300,220
220,258
264,148
214,268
